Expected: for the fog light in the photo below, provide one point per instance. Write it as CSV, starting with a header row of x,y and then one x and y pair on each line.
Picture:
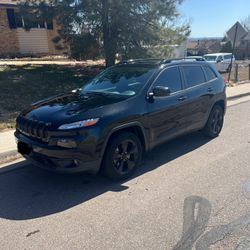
x,y
66,143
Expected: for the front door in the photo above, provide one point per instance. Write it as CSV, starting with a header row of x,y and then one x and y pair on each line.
x,y
167,115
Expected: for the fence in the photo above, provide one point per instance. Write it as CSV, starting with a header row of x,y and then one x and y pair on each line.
x,y
240,72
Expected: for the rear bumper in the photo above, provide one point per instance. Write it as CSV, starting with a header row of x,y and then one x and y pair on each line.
x,y
56,158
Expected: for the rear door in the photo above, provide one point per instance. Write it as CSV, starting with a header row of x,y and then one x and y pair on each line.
x,y
199,91
167,115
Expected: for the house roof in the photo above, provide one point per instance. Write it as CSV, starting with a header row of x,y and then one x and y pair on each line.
x,y
241,32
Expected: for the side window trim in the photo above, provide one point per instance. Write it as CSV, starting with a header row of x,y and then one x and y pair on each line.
x,y
161,72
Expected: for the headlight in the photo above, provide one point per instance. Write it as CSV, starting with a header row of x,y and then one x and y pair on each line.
x,y
80,124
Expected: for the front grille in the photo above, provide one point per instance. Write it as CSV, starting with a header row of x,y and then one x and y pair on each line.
x,y
33,128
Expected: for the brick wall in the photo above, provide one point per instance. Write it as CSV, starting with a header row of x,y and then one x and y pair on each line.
x,y
54,47
8,37
9,43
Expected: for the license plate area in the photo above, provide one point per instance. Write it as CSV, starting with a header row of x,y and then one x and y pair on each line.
x,y
23,148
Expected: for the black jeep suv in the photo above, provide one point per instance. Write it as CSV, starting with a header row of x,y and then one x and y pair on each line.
x,y
126,110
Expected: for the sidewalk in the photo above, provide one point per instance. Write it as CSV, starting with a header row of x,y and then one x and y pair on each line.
x,y
238,91
8,150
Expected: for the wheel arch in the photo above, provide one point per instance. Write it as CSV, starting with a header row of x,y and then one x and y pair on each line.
x,y
135,128
222,104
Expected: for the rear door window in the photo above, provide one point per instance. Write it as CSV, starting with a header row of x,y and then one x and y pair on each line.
x,y
170,78
194,75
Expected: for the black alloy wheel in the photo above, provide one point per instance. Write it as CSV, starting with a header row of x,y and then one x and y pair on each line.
x,y
215,122
123,156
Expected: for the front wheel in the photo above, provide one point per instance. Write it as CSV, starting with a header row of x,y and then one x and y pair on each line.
x,y
215,122
122,157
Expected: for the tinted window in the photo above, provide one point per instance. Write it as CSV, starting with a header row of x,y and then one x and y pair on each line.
x,y
194,75
170,78
210,73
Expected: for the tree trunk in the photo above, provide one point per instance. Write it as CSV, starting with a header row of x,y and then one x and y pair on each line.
x,y
109,55
109,40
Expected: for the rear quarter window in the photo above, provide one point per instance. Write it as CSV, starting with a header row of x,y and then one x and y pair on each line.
x,y
194,75
210,73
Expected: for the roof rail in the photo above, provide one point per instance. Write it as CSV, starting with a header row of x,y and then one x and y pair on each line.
x,y
142,61
188,58
158,61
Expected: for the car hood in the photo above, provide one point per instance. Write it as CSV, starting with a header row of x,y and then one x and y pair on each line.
x,y
70,107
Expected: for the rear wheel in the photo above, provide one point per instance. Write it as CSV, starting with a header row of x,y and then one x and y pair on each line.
x,y
215,122
122,156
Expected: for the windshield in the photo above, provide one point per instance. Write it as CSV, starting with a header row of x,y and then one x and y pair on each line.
x,y
210,58
120,80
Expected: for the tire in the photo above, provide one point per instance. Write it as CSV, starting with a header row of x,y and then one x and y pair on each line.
x,y
122,157
214,123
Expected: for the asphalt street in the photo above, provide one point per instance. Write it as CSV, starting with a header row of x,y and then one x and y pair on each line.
x,y
190,193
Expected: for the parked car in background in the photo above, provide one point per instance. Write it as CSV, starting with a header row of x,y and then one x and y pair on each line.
x,y
126,110
222,61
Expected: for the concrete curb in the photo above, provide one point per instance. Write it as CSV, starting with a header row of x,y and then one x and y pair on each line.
x,y
238,96
15,165
9,156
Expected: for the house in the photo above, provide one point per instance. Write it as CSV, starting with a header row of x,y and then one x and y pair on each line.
x,y
40,39
242,40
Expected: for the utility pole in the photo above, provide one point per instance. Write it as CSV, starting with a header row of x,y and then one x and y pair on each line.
x,y
234,43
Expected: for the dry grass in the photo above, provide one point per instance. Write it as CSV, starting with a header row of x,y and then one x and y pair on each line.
x,y
22,84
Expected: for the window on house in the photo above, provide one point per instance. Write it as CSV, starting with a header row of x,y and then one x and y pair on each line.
x,y
50,25
16,21
19,20
11,18
41,25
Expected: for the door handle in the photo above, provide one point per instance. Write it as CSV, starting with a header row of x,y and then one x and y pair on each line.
x,y
182,98
210,89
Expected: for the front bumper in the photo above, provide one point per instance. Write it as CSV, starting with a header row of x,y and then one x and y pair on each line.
x,y
54,158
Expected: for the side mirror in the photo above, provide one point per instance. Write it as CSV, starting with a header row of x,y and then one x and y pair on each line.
x,y
219,60
160,91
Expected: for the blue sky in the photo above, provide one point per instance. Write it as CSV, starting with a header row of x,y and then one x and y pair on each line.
x,y
212,18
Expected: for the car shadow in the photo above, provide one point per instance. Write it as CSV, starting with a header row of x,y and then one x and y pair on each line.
x,y
28,192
